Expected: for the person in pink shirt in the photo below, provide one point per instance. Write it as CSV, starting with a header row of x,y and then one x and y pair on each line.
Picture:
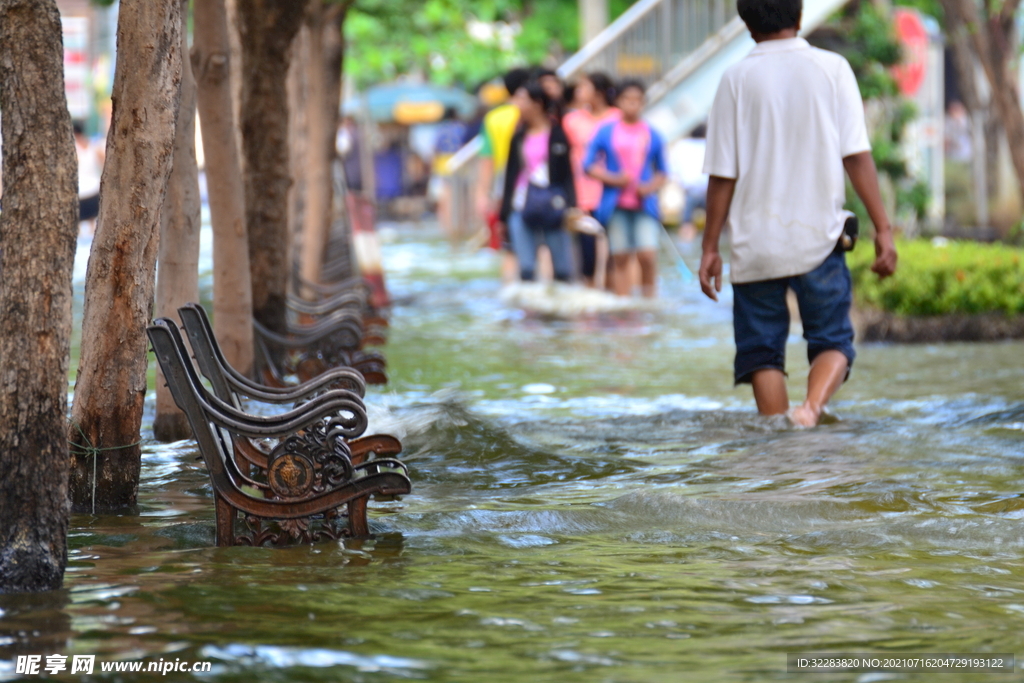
x,y
628,157
539,186
594,93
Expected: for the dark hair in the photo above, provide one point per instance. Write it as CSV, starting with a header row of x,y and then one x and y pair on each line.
x,y
770,16
700,132
77,128
630,83
515,79
603,84
539,72
569,93
536,92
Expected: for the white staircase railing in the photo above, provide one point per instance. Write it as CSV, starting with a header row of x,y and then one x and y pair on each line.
x,y
650,38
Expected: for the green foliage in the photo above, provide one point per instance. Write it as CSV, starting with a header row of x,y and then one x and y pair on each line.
x,y
548,26
389,38
942,278
932,8
1016,233
872,35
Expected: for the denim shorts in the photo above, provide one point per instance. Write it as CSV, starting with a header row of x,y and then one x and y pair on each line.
x,y
630,231
761,317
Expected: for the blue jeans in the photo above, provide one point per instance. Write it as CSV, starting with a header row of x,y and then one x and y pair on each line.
x,y
631,231
761,317
525,241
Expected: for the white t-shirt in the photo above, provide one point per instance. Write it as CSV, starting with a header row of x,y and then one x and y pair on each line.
x,y
686,163
90,170
782,121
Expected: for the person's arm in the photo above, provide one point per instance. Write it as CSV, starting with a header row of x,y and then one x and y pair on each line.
x,y
660,175
594,166
599,172
485,173
485,181
720,191
654,185
864,178
563,167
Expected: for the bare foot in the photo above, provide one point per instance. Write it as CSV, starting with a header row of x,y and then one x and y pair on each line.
x,y
804,416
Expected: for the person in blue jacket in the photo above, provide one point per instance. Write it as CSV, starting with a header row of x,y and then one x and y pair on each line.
x,y
628,157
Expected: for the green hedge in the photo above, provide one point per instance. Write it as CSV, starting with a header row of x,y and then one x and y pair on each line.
x,y
939,279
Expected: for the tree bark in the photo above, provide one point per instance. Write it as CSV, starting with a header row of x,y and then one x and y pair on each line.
x,y
235,43
232,288
111,385
987,135
994,37
267,28
317,208
298,134
38,228
334,60
177,280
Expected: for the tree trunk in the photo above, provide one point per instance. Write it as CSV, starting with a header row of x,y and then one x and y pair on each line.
x,y
38,228
317,208
297,134
111,385
994,38
232,288
235,44
334,60
177,281
267,28
965,60
1007,101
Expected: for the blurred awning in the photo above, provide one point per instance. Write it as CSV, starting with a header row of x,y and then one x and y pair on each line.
x,y
410,103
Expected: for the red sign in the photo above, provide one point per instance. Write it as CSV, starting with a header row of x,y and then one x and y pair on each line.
x,y
914,38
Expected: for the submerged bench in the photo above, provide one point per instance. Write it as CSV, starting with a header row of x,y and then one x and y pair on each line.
x,y
306,481
310,350
230,386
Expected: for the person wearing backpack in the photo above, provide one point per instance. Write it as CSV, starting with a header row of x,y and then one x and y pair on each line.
x,y
538,185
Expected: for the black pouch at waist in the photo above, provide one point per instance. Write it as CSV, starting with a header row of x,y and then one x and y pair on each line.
x,y
848,240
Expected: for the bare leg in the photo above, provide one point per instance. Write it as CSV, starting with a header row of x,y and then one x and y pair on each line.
x,y
687,232
622,282
633,277
826,376
601,267
509,267
444,210
545,268
770,392
648,261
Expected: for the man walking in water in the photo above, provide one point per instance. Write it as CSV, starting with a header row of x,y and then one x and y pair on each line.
x,y
785,123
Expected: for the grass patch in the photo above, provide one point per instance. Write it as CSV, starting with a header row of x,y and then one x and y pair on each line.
x,y
943,277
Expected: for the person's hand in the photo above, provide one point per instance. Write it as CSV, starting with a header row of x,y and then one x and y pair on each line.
x,y
711,274
646,189
483,205
617,180
885,254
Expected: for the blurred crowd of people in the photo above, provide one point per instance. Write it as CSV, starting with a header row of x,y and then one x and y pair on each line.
x,y
572,181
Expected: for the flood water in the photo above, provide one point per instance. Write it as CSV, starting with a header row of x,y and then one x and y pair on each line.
x,y
593,501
